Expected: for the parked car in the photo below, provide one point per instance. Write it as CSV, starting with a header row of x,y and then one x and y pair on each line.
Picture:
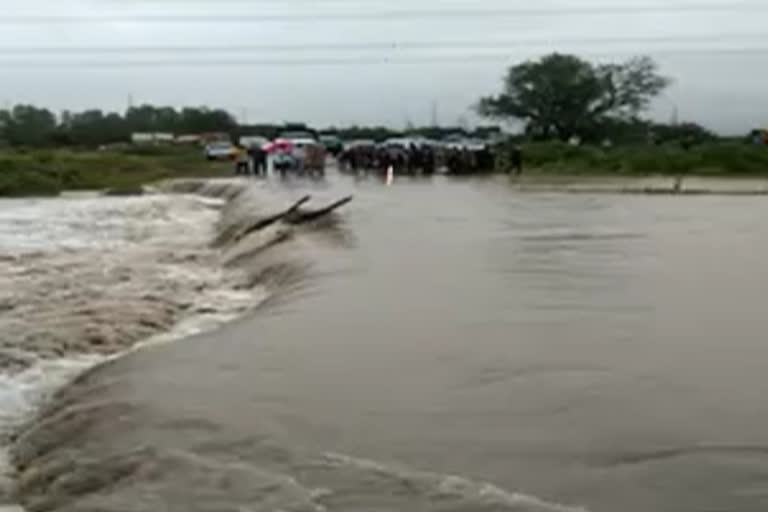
x,y
220,151
252,141
368,143
297,134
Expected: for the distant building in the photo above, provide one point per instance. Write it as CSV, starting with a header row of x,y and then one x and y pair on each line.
x,y
207,138
142,138
152,138
188,139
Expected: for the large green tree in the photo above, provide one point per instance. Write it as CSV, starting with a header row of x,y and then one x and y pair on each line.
x,y
560,96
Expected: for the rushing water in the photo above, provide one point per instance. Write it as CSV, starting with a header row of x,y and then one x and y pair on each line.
x,y
457,346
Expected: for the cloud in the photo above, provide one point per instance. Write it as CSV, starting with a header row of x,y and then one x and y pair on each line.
x,y
354,84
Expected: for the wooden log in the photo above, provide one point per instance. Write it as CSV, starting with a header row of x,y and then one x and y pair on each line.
x,y
264,222
301,217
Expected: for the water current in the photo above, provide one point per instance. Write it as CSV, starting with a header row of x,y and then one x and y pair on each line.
x,y
443,346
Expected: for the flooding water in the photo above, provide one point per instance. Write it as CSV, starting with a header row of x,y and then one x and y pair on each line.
x,y
456,346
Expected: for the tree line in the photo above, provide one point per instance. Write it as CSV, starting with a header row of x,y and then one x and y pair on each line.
x,y
32,126
29,125
555,97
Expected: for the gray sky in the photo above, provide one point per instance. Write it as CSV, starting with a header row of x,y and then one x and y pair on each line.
x,y
716,50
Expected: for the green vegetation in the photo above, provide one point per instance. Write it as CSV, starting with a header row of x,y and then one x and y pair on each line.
x,y
31,126
48,172
563,96
708,159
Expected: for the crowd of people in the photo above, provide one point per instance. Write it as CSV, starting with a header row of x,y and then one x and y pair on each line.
x,y
416,159
250,160
368,157
308,159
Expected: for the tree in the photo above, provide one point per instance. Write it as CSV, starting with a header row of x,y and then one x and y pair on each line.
x,y
200,120
563,95
26,125
148,118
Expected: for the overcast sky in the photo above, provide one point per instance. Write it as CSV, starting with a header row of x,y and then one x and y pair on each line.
x,y
371,61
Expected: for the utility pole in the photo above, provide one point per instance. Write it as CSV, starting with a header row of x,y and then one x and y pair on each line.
x,y
435,121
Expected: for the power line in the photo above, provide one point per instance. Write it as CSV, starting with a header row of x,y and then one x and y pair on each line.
x,y
344,61
382,15
383,45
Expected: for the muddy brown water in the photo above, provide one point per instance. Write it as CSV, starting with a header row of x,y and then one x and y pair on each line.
x,y
463,347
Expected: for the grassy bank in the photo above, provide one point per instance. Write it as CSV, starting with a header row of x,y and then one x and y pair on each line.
x,y
723,159
28,173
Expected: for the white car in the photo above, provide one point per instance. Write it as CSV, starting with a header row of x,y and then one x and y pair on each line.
x,y
253,141
220,151
301,144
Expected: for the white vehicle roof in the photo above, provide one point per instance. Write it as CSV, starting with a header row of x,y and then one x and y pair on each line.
x,y
253,139
360,142
298,134
303,142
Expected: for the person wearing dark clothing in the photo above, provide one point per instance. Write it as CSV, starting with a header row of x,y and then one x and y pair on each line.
x,y
453,161
400,160
467,161
485,159
516,160
259,160
355,159
383,160
413,159
428,160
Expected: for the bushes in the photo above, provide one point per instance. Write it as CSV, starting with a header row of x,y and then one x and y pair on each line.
x,y
23,176
159,150
735,158
24,173
717,158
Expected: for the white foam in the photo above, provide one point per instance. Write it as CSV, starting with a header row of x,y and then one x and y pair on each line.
x,y
22,394
450,485
66,223
59,254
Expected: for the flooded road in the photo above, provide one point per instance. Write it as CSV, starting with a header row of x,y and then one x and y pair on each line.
x,y
464,347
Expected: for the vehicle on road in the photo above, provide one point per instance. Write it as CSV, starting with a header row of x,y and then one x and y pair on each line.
x,y
220,151
252,141
297,135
